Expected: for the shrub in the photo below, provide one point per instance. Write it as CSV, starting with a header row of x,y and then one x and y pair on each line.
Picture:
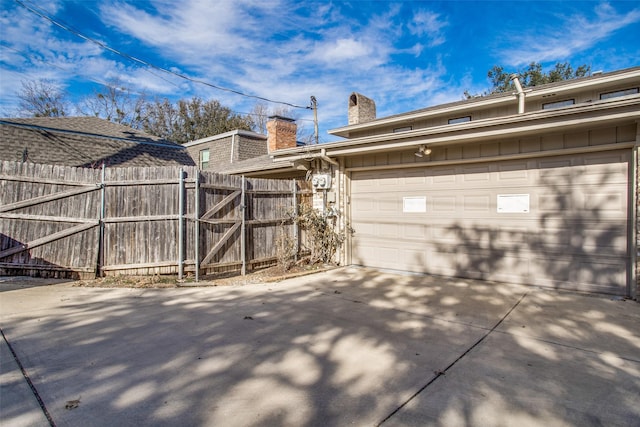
x,y
322,239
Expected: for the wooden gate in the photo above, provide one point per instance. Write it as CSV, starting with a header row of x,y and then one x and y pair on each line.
x,y
243,220
48,220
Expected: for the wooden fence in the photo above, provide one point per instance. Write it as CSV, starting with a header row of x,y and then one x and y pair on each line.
x,y
79,223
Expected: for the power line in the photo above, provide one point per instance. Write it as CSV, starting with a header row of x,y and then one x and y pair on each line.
x,y
66,70
109,85
145,63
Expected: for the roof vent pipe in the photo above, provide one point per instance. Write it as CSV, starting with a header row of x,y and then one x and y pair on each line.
x,y
520,92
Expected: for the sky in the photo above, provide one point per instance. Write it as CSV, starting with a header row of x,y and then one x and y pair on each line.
x,y
405,55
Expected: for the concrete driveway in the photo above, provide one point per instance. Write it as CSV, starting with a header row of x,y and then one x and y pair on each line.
x,y
345,347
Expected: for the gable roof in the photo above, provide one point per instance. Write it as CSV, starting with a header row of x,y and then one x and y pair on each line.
x,y
85,142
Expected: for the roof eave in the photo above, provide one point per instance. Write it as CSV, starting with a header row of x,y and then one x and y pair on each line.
x,y
481,129
241,132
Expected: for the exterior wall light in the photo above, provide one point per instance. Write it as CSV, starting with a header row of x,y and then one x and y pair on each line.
x,y
422,151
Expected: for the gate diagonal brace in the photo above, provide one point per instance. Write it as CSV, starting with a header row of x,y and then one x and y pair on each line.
x,y
48,239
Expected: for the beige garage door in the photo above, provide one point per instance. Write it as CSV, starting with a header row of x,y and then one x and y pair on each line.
x,y
556,221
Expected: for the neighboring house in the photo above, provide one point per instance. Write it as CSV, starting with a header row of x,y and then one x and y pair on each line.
x,y
85,142
537,187
242,152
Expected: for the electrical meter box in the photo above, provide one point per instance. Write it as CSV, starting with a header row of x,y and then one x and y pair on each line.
x,y
321,181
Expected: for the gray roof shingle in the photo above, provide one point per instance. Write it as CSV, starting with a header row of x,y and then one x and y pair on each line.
x,y
85,142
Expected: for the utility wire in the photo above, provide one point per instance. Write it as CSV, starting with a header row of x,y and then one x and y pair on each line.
x,y
145,63
31,58
109,85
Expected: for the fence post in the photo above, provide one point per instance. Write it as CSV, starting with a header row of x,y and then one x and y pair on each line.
x,y
181,226
101,216
243,211
295,222
196,218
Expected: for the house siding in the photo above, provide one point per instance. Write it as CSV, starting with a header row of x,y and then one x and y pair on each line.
x,y
529,145
250,148
220,150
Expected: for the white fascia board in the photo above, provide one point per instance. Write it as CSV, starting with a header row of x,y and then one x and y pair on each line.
x,y
225,135
632,76
543,120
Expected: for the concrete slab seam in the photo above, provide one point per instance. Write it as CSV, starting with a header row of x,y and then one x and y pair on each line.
x,y
28,380
452,364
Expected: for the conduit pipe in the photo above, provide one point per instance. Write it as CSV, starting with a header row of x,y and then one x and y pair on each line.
x,y
519,93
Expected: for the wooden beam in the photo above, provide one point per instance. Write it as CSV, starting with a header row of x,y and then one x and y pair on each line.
x,y
47,239
167,181
48,218
221,243
266,192
221,205
48,198
141,218
140,265
42,180
47,267
218,221
218,187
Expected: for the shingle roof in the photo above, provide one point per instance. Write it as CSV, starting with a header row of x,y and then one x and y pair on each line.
x,y
85,142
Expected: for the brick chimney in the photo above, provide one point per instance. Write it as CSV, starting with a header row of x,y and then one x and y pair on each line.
x,y
281,133
361,109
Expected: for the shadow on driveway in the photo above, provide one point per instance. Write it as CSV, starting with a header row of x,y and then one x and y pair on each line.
x,y
345,347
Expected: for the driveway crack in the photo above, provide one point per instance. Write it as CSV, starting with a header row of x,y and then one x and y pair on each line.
x,y
441,373
28,380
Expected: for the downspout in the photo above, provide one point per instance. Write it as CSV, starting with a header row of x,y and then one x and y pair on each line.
x,y
233,144
323,156
519,93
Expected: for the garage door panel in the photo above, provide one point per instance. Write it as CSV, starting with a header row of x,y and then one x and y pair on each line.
x,y
593,273
416,177
441,204
414,232
513,173
388,203
475,174
475,203
605,201
493,265
574,235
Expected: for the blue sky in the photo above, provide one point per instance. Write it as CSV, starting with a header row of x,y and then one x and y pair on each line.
x,y
405,55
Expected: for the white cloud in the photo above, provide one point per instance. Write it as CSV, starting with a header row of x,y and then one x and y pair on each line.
x,y
341,50
573,35
429,25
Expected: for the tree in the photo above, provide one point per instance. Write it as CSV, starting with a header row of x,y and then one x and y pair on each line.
x,y
534,75
115,103
259,116
161,119
184,121
261,113
188,120
43,98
